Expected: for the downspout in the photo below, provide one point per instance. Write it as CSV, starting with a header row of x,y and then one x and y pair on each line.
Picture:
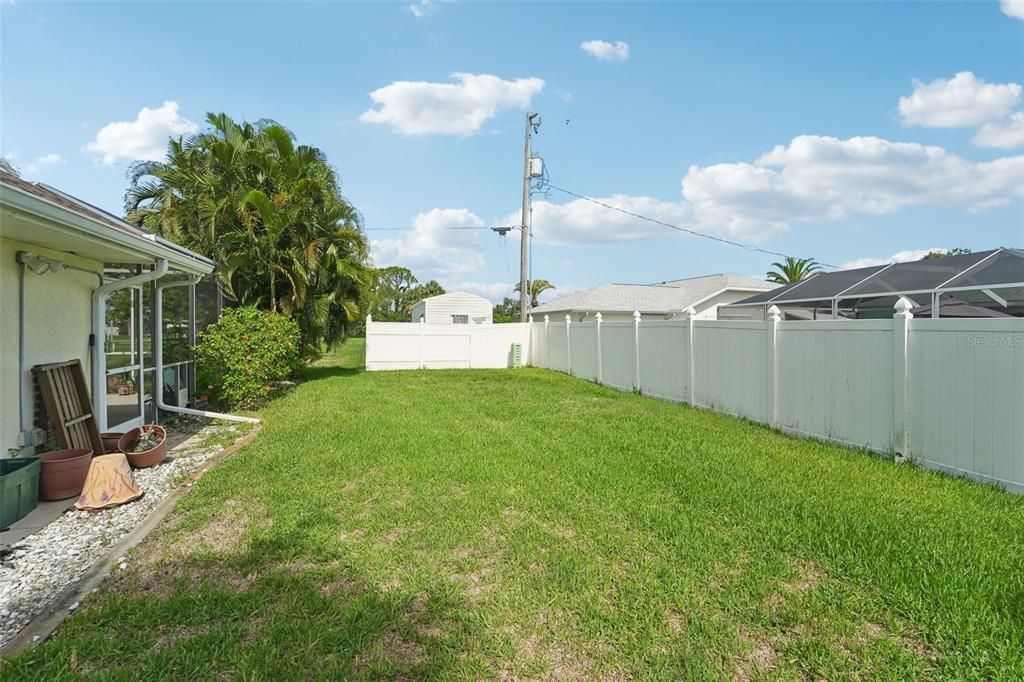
x,y
26,437
99,303
158,358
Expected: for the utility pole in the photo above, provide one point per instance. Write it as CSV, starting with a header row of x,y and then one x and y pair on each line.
x,y
524,285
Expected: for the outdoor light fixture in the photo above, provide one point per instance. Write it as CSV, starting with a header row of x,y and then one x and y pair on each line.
x,y
39,264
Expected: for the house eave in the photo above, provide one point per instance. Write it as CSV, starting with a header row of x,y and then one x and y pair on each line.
x,y
126,244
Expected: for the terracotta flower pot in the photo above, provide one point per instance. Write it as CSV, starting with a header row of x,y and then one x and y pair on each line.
x,y
152,457
110,439
62,473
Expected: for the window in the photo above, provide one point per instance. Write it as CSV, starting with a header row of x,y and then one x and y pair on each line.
x,y
460,319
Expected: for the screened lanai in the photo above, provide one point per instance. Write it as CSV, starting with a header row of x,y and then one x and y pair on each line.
x,y
989,283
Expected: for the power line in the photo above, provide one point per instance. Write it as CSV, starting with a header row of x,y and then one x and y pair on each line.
x,y
695,233
460,227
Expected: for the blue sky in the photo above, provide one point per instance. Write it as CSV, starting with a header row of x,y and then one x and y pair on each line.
x,y
844,131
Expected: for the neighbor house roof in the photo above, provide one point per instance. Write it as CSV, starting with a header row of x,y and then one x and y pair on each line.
x,y
36,213
996,269
662,298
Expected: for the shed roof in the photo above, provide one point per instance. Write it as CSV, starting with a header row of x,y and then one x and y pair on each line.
x,y
662,298
455,295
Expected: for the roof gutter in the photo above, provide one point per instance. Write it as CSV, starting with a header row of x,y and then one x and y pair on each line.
x,y
129,237
158,359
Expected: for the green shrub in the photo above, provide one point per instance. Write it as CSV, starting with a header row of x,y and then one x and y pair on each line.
x,y
241,355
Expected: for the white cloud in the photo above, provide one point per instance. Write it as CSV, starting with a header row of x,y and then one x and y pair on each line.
x,y
582,222
431,249
460,108
494,292
899,257
962,101
422,8
1005,134
44,161
145,138
1012,8
818,178
813,178
605,51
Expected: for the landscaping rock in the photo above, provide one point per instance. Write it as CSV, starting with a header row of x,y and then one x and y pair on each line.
x,y
40,567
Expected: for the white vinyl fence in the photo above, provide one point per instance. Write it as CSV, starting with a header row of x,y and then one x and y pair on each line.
x,y
947,393
418,345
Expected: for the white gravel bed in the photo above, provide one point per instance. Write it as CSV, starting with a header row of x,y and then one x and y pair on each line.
x,y
41,566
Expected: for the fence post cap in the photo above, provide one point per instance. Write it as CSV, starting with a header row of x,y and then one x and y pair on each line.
x,y
903,306
369,318
690,313
568,318
531,317
774,314
547,318
636,315
598,317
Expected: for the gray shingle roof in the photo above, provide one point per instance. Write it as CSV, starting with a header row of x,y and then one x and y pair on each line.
x,y
662,298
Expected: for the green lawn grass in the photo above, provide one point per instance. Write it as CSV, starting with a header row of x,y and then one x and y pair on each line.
x,y
524,524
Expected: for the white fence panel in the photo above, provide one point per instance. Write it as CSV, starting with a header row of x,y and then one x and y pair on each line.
x,y
731,367
835,381
583,339
538,345
445,349
618,355
491,344
557,351
412,345
664,360
966,397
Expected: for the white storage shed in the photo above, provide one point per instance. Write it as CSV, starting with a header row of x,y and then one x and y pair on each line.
x,y
457,307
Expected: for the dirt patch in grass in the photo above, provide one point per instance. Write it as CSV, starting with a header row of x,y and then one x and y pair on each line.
x,y
396,533
392,648
180,635
760,658
675,621
176,555
809,576
873,631
423,621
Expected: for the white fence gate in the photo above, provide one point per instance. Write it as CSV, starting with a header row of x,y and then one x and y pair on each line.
x,y
417,345
948,394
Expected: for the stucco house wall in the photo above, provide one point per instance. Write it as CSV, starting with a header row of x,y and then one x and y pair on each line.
x,y
57,324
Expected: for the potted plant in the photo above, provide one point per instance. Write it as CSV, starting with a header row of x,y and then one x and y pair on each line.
x,y
144,446
110,440
62,472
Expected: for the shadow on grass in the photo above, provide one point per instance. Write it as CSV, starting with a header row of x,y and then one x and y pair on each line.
x,y
317,372
254,616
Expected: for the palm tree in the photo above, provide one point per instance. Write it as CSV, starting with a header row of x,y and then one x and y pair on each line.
x,y
536,288
271,215
793,270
